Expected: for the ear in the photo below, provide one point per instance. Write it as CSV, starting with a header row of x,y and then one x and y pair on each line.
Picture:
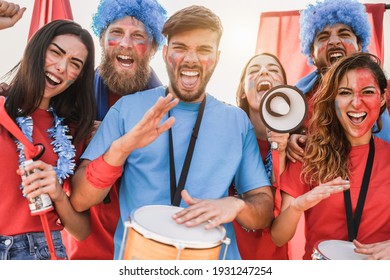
x,y
360,46
101,39
164,53
383,98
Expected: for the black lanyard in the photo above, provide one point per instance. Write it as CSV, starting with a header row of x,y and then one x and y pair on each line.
x,y
353,221
176,191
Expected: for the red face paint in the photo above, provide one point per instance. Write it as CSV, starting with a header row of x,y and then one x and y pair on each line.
x,y
358,104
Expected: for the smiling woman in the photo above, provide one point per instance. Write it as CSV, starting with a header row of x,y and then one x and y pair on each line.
x,y
51,99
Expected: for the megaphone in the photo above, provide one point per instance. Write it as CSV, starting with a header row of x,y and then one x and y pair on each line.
x,y
283,108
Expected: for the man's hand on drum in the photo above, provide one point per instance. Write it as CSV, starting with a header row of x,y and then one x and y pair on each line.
x,y
294,147
374,251
317,194
213,212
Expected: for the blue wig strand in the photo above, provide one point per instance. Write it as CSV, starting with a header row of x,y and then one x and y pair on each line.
x,y
149,12
330,12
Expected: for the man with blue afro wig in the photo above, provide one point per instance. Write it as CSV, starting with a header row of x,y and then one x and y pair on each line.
x,y
329,31
129,32
149,12
328,13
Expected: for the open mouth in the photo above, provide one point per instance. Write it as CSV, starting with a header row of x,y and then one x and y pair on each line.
x,y
53,80
125,60
263,86
189,78
334,56
357,118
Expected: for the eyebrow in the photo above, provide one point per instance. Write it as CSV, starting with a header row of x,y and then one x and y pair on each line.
x,y
64,52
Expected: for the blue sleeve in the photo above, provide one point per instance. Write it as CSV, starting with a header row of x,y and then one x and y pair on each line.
x,y
109,130
251,173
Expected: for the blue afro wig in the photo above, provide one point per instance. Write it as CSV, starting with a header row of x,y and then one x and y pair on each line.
x,y
149,12
329,12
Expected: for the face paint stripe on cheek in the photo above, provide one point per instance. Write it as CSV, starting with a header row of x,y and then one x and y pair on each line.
x,y
113,41
337,108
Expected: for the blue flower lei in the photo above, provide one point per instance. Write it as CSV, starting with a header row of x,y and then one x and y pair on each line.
x,y
62,144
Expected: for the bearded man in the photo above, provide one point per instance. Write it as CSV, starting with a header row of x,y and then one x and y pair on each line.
x,y
129,32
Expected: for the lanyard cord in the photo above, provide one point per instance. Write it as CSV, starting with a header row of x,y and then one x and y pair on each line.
x,y
176,191
353,221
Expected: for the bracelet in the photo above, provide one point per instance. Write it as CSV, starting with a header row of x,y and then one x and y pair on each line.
x,y
101,174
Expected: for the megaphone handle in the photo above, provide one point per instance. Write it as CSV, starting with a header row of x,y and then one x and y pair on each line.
x,y
49,239
276,170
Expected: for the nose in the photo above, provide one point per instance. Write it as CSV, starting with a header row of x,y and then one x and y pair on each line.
x,y
263,71
126,41
191,57
356,100
61,65
334,40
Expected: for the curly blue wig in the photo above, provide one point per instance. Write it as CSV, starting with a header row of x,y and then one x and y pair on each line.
x,y
329,12
149,12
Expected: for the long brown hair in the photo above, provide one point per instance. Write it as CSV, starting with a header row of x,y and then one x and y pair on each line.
x,y
77,103
327,147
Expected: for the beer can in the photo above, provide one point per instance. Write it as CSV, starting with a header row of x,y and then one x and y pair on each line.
x,y
41,203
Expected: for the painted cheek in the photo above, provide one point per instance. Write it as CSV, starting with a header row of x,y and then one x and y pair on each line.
x,y
337,108
140,46
73,76
113,41
174,59
350,45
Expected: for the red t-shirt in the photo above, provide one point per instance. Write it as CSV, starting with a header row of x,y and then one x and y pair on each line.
x,y
327,220
99,245
258,245
15,217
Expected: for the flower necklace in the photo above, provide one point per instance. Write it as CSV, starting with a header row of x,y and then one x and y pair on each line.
x,y
62,144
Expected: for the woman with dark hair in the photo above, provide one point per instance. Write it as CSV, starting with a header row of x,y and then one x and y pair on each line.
x,y
343,184
51,99
261,73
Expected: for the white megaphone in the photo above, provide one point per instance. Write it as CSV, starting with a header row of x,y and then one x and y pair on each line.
x,y
283,108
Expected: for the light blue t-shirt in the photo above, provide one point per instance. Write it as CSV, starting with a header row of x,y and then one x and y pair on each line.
x,y
226,148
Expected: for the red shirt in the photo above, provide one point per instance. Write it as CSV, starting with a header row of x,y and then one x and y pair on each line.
x,y
99,245
15,216
258,245
327,220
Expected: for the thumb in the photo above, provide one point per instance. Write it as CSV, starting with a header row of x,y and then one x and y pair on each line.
x,y
187,198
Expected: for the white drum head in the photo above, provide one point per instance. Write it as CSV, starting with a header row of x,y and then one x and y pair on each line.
x,y
155,222
339,250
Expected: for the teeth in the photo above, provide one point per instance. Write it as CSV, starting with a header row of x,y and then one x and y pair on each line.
x,y
190,73
336,55
124,57
53,78
357,115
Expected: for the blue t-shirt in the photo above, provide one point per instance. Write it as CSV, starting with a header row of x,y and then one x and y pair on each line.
x,y
226,148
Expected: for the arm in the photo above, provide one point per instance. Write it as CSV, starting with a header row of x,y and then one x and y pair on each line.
x,y
281,139
10,14
90,183
284,226
254,210
45,181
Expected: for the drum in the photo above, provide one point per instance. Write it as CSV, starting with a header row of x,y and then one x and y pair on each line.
x,y
336,250
152,234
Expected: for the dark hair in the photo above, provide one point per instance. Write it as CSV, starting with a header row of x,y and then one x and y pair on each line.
x,y
190,18
77,103
242,102
327,147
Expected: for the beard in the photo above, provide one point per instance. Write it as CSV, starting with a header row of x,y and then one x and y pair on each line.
x,y
188,96
124,82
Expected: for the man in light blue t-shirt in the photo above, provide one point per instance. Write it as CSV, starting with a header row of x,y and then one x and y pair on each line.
x,y
145,139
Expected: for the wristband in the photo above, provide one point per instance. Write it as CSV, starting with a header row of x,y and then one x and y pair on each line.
x,y
101,174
